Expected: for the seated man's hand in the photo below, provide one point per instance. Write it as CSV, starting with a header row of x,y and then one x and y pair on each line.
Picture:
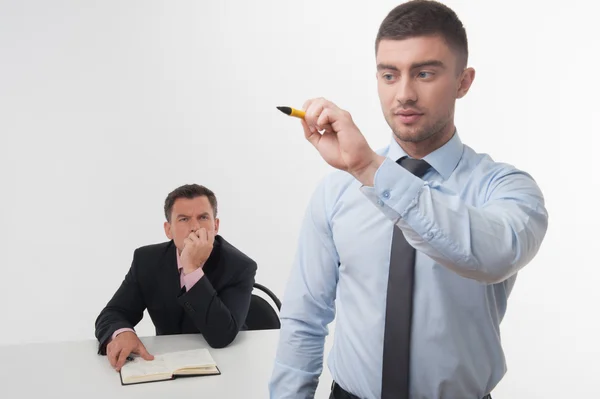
x,y
122,346
196,250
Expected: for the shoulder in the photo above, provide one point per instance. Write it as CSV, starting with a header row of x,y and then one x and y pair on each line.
x,y
480,162
230,255
496,178
484,165
153,250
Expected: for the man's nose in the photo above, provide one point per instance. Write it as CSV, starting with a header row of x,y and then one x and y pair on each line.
x,y
406,93
195,226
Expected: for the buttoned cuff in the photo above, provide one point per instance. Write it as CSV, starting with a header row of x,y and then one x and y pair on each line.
x,y
395,190
192,278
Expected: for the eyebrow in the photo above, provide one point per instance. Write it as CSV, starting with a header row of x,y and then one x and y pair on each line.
x,y
381,67
428,63
181,215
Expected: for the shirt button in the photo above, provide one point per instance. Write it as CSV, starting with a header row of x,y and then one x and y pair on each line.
x,y
386,194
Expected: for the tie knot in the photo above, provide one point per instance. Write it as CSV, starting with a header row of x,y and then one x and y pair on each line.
x,y
417,167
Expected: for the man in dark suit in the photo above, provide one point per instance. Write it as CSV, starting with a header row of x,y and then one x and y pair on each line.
x,y
195,283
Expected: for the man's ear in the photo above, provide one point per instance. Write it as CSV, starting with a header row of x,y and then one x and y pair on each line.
x,y
167,227
216,226
466,80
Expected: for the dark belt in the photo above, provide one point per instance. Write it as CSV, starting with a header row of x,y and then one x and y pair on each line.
x,y
337,392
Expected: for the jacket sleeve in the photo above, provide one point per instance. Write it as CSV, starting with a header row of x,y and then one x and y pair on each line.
x,y
220,316
124,310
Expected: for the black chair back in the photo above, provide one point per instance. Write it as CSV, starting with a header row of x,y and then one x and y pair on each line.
x,y
261,315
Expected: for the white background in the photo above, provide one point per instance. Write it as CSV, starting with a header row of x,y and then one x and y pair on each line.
x,y
106,106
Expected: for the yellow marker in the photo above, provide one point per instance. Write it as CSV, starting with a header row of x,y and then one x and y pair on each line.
x,y
292,112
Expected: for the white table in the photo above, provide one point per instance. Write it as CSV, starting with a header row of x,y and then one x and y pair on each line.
x,y
75,370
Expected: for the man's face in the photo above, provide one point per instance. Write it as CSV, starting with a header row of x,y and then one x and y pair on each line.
x,y
419,80
189,215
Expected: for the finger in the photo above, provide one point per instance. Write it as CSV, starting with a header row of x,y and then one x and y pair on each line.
x,y
122,358
312,137
193,236
326,118
112,357
187,241
306,105
327,129
202,235
312,114
141,350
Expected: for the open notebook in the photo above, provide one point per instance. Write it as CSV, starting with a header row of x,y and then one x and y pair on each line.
x,y
195,362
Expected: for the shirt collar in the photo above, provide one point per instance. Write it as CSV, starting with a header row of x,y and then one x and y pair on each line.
x,y
443,160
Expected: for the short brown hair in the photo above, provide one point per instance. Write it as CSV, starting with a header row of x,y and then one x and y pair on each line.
x,y
425,18
189,191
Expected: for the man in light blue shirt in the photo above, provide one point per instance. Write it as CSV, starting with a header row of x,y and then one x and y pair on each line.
x,y
474,224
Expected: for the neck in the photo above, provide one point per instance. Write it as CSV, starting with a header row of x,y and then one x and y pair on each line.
x,y
420,149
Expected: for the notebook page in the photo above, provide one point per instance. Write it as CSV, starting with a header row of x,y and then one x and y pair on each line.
x,y
140,367
190,358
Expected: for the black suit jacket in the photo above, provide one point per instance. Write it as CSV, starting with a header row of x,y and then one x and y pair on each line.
x,y
215,306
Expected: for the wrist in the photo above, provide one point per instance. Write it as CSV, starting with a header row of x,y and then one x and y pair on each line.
x,y
187,269
366,174
120,331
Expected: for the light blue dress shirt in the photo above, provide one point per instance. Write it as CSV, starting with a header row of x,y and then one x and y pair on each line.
x,y
474,223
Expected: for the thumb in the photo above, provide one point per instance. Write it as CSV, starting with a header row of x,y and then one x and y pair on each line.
x,y
144,353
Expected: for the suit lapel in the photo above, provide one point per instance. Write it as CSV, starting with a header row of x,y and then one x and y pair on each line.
x,y
170,283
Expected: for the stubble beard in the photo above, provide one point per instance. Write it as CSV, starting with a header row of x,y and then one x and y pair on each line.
x,y
409,134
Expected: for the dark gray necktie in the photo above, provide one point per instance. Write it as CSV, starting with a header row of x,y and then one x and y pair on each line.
x,y
398,314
